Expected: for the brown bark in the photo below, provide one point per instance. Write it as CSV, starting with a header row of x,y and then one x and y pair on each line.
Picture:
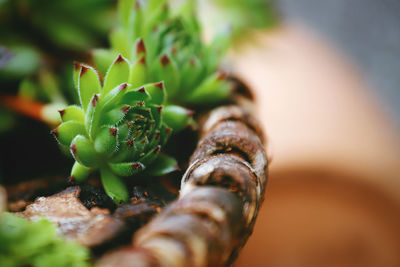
x,y
220,196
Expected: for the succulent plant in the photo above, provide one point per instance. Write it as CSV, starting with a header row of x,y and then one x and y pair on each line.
x,y
120,126
170,47
25,243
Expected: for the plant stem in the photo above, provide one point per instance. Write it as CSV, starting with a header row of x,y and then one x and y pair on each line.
x,y
23,106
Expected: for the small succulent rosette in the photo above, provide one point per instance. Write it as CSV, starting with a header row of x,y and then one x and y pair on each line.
x,y
120,127
170,46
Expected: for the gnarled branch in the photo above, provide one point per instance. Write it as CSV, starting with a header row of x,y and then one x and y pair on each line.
x,y
220,196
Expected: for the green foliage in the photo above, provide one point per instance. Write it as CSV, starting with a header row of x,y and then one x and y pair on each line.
x,y
18,61
7,120
166,45
25,243
68,24
118,128
45,87
243,16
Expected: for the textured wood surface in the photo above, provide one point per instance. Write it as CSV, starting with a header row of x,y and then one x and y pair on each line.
x,y
221,193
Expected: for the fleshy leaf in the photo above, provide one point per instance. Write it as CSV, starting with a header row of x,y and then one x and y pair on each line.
x,y
93,116
106,141
116,115
213,90
167,71
113,98
113,186
117,74
79,172
119,40
77,71
126,169
138,72
72,113
157,92
88,85
67,131
163,165
82,150
124,11
103,58
176,117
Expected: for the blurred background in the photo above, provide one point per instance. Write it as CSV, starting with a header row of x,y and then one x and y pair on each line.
x,y
326,76
327,83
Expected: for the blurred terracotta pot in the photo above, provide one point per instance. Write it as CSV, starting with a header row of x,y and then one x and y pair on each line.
x,y
314,218
333,198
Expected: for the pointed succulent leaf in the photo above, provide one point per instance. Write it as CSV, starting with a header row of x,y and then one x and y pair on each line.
x,y
93,116
79,172
136,97
125,150
72,113
165,133
114,97
77,71
176,117
213,90
48,113
156,92
163,165
140,49
136,21
156,112
126,169
119,40
156,11
166,70
124,130
113,186
83,151
67,131
116,115
106,142
218,48
138,72
153,5
89,84
125,10
151,155
194,70
103,58
117,74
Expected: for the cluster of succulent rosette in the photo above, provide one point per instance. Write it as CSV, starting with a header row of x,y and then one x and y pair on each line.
x,y
124,121
120,127
171,50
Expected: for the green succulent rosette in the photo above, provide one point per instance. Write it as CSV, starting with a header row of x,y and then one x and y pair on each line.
x,y
120,127
26,243
168,42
